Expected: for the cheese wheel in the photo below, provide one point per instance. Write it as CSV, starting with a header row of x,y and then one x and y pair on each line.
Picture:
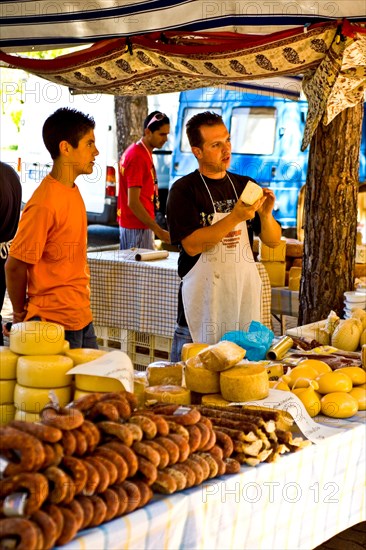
x,y
163,373
7,391
244,383
81,393
26,416
200,379
191,349
214,400
89,382
44,371
7,413
37,338
34,399
8,363
168,394
66,346
80,356
221,356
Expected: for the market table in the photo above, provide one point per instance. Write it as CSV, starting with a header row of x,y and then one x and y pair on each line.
x,y
300,501
142,296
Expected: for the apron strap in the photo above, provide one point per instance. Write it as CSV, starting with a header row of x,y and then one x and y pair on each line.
x,y
208,191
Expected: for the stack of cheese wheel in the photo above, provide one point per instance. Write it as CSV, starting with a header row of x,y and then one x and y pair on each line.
x,y
8,365
220,372
86,383
41,367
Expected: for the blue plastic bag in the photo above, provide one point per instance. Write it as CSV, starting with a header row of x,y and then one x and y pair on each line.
x,y
256,341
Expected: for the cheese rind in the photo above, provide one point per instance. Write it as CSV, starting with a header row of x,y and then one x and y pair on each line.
x,y
241,384
168,394
34,399
191,349
7,391
80,356
199,379
26,416
221,356
44,371
91,383
37,338
8,363
7,413
276,254
214,400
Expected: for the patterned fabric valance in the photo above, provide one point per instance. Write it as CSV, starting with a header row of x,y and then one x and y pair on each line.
x,y
331,56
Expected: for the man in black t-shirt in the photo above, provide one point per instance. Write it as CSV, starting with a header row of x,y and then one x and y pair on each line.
x,y
10,202
221,288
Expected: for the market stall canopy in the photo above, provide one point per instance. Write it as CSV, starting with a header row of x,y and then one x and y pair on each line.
x,y
178,45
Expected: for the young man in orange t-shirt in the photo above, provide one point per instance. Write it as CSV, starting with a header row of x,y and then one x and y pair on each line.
x,y
47,275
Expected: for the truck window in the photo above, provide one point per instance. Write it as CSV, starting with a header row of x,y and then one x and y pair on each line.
x,y
189,113
253,130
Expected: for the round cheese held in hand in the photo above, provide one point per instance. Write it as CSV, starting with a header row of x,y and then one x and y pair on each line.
x,y
241,384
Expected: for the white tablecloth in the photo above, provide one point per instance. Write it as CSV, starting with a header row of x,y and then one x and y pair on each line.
x,y
298,502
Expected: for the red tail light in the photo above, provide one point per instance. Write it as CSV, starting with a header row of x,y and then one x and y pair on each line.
x,y
110,184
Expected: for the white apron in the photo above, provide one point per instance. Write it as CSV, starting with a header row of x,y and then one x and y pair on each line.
x,y
222,291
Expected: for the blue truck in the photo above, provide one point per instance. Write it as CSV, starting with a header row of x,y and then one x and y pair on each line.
x,y
266,134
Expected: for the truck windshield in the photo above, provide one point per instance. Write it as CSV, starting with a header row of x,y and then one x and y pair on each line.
x,y
253,130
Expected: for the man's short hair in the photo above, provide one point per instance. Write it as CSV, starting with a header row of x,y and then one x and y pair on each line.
x,y
65,124
208,118
160,120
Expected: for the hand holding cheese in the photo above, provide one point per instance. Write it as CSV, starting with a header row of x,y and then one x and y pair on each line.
x,y
252,193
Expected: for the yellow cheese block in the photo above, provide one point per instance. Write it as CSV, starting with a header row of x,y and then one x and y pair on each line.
x,y
7,413
81,393
139,385
191,349
252,193
214,400
168,394
276,254
164,373
221,356
244,383
7,391
26,416
84,355
8,363
44,371
276,272
200,379
34,399
88,382
294,278
37,338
